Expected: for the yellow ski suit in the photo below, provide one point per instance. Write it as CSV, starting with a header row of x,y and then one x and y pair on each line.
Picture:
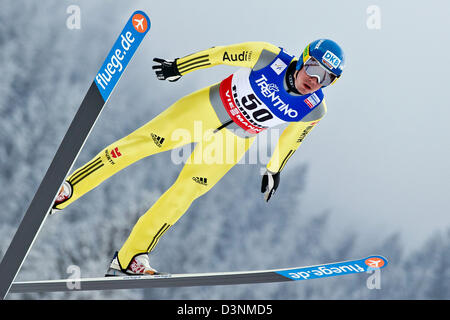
x,y
218,147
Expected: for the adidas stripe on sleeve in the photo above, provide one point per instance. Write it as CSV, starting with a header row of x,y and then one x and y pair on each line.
x,y
240,55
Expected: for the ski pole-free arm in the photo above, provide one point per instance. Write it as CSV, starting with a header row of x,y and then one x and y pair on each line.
x,y
289,141
239,55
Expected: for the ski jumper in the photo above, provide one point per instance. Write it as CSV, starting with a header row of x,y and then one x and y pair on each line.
x,y
229,113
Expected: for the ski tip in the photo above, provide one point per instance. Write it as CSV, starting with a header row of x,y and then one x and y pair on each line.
x,y
376,262
137,17
370,263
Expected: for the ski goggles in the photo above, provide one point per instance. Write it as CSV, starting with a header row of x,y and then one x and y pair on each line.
x,y
314,69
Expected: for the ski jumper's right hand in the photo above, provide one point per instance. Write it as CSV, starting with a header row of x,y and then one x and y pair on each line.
x,y
166,69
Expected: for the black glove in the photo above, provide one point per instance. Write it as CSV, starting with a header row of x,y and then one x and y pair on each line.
x,y
166,69
269,184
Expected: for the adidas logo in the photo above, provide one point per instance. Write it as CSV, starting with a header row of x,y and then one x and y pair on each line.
x,y
203,181
157,139
116,153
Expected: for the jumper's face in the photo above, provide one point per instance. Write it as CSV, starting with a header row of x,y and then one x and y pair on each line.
x,y
306,84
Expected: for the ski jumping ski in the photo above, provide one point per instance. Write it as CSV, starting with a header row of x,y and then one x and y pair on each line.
x,y
97,96
368,264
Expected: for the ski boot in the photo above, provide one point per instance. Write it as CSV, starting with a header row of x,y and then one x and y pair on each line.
x,y
139,266
64,193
